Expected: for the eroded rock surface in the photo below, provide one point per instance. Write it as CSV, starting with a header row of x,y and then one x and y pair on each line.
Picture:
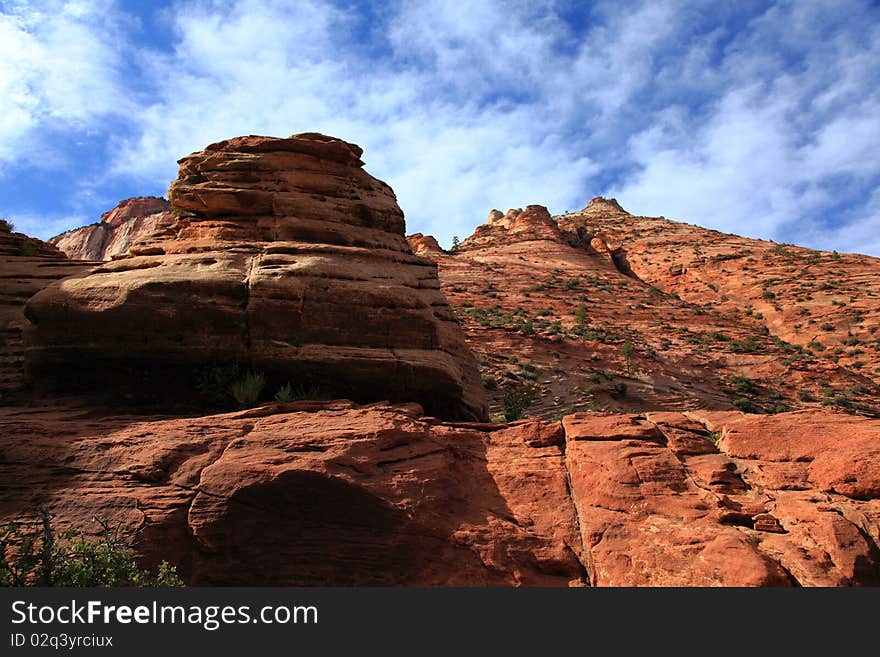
x,y
27,265
578,307
130,221
335,494
286,257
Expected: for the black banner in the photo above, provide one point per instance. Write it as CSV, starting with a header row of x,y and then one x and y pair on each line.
x,y
413,621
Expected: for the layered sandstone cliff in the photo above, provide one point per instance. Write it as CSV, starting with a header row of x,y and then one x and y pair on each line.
x,y
287,258
636,337
27,265
130,221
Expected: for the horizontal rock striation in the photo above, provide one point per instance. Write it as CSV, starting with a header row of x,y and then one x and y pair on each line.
x,y
27,265
287,258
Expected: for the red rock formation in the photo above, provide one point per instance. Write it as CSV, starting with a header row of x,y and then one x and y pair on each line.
x,y
26,266
287,258
334,494
533,223
823,303
423,245
555,308
130,221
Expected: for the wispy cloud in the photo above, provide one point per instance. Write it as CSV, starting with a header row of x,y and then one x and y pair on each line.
x,y
60,74
751,118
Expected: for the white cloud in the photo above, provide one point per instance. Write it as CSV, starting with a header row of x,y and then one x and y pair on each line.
x,y
59,71
675,108
769,157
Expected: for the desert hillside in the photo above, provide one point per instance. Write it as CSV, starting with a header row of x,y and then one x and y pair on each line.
x,y
602,310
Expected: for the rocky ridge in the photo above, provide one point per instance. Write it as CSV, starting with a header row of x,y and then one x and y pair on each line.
x,y
119,228
569,307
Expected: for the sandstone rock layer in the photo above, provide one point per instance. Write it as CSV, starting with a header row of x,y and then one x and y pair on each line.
x,y
129,222
26,266
592,311
335,494
287,258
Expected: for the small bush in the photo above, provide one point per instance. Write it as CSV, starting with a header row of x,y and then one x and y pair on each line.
x,y
285,393
246,390
627,350
744,405
517,401
742,385
6,226
580,315
31,554
747,345
288,393
489,382
214,383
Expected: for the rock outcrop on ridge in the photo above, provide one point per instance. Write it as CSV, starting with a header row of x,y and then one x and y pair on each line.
x,y
423,245
130,221
286,258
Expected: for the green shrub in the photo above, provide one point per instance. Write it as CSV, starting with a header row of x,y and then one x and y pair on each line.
x,y
744,405
246,390
31,554
214,383
285,393
6,226
580,315
288,393
628,350
517,401
742,385
747,345
489,382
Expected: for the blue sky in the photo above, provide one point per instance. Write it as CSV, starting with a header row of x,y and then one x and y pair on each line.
x,y
759,118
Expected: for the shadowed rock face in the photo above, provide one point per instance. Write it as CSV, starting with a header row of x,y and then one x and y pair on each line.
x,y
27,265
288,258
